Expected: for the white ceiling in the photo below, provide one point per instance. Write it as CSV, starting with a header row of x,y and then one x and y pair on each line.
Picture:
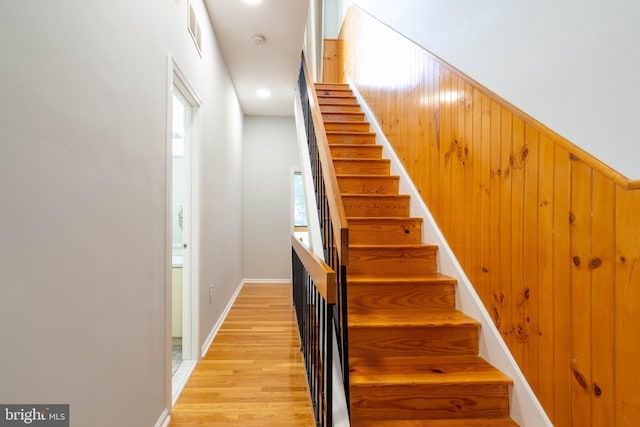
x,y
272,65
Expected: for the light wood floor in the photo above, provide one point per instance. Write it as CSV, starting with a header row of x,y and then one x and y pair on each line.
x,y
253,374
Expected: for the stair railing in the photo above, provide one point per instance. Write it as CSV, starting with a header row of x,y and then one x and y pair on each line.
x,y
333,220
314,298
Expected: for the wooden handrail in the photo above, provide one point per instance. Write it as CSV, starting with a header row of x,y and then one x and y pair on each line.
x,y
633,184
336,208
323,276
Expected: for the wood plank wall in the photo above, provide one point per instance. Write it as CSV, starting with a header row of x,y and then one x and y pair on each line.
x,y
332,71
549,236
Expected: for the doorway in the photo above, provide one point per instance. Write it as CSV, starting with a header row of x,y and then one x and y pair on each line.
x,y
182,207
180,215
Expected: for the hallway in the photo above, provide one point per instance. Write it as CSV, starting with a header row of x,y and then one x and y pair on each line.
x,y
252,374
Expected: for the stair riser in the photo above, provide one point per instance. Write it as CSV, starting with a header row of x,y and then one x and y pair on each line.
x,y
447,422
340,107
361,167
343,117
349,100
401,231
429,402
401,296
413,341
393,262
356,152
328,91
357,138
368,185
323,86
376,206
346,126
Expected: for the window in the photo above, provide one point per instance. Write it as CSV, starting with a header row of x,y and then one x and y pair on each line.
x,y
299,208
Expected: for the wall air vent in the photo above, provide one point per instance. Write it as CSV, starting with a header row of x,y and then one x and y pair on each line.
x,y
195,30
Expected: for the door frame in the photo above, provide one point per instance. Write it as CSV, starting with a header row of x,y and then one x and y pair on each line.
x,y
190,292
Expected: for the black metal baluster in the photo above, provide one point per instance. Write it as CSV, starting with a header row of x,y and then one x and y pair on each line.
x,y
317,328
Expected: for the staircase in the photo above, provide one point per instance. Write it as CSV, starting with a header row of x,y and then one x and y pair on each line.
x,y
413,357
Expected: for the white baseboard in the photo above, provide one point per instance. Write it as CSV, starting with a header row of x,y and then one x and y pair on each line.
x,y
218,324
164,419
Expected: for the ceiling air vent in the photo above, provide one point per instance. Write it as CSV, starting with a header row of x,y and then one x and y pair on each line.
x,y
194,29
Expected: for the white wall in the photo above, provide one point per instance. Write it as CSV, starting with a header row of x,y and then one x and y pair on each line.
x,y
220,169
331,19
314,38
82,180
270,151
572,65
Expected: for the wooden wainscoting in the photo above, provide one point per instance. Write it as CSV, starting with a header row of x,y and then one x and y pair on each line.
x,y
549,235
332,71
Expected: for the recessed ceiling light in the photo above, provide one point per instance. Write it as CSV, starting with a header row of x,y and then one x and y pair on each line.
x,y
263,93
258,40
253,1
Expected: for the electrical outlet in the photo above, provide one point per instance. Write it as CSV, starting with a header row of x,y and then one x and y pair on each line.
x,y
210,294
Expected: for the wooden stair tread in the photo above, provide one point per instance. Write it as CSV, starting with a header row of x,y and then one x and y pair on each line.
x,y
329,118
358,159
328,122
359,137
324,85
334,92
339,87
347,122
378,196
356,151
464,422
379,167
362,160
353,146
379,218
349,133
392,260
362,152
382,219
356,183
325,104
344,116
391,205
325,108
366,176
337,100
428,277
336,132
382,230
392,246
430,317
425,370
346,125
400,294
328,97
346,113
